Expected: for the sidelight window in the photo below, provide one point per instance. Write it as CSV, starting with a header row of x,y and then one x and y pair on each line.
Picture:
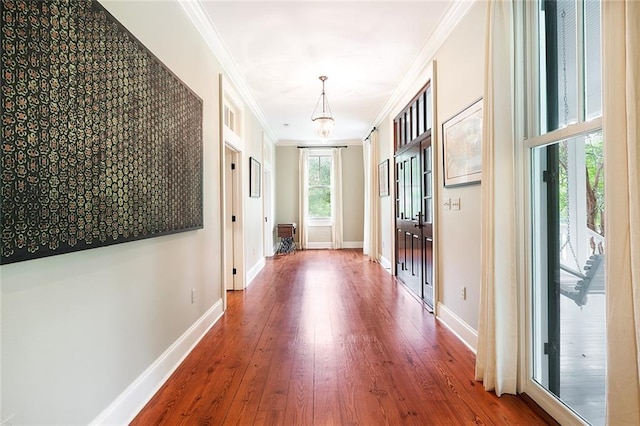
x,y
567,205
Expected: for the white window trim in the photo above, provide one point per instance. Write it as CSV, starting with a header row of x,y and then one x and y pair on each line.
x,y
527,89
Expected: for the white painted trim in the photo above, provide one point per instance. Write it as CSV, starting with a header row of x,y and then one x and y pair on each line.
x,y
210,35
255,270
318,143
551,405
461,329
129,403
320,246
353,244
403,93
385,263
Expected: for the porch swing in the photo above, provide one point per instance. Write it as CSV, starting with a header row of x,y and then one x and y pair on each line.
x,y
592,279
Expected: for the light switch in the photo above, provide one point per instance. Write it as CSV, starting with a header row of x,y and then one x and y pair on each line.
x,y
447,204
455,204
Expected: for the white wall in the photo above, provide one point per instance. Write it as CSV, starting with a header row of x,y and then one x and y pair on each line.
x,y
460,70
385,151
77,329
253,217
459,76
353,194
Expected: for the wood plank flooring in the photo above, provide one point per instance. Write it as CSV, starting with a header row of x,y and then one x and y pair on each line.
x,y
326,337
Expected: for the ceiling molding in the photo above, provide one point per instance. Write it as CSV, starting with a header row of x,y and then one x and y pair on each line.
x,y
212,38
292,142
423,59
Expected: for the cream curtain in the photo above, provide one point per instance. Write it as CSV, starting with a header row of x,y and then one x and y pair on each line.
x,y
336,198
497,349
621,107
303,198
371,243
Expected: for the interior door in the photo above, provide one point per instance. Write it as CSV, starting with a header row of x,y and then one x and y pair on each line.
x,y
268,221
409,217
229,222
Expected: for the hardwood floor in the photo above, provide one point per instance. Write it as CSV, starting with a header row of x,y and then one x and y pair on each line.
x,y
328,338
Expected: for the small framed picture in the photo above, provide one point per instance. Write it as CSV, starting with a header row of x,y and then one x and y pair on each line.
x,y
254,178
383,178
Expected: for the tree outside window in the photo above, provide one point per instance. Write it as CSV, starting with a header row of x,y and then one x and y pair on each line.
x,y
319,187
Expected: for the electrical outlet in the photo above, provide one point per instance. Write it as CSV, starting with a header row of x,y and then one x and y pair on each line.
x,y
455,204
463,293
193,295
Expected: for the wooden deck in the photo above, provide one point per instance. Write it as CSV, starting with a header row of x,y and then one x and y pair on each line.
x,y
329,338
582,357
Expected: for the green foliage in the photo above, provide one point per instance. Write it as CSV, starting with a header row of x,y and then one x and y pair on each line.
x,y
319,186
594,169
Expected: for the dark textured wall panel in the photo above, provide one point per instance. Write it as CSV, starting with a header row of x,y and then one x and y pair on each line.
x,y
101,143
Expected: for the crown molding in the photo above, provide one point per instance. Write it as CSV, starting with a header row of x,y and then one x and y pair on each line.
x,y
201,22
318,143
423,59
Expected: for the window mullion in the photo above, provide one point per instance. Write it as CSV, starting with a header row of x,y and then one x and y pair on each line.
x,y
563,133
580,63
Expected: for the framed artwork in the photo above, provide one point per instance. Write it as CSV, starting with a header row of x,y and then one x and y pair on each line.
x,y
462,146
254,178
383,178
101,142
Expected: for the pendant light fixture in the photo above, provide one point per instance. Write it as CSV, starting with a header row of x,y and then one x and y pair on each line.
x,y
322,117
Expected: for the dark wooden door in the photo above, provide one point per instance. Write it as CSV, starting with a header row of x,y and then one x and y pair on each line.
x,y
408,217
414,217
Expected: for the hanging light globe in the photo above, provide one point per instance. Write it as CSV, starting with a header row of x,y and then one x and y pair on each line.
x,y
322,117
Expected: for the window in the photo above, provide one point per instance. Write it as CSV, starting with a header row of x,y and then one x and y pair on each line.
x,y
232,117
319,190
567,162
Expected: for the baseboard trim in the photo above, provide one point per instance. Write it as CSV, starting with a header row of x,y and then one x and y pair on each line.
x,y
385,263
133,399
255,270
319,246
353,244
461,329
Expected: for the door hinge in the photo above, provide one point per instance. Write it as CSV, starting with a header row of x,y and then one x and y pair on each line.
x,y
548,176
233,166
550,348
233,218
235,271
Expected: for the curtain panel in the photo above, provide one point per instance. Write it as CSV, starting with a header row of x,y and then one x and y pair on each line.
x,y
371,244
497,351
621,106
336,198
303,198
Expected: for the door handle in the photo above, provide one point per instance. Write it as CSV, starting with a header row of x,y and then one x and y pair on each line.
x,y
418,223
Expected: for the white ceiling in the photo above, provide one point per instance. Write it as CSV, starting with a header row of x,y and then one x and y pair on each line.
x,y
364,47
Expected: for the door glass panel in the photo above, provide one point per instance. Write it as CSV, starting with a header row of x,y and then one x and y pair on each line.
x,y
429,108
568,273
428,218
558,59
421,122
414,121
415,187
